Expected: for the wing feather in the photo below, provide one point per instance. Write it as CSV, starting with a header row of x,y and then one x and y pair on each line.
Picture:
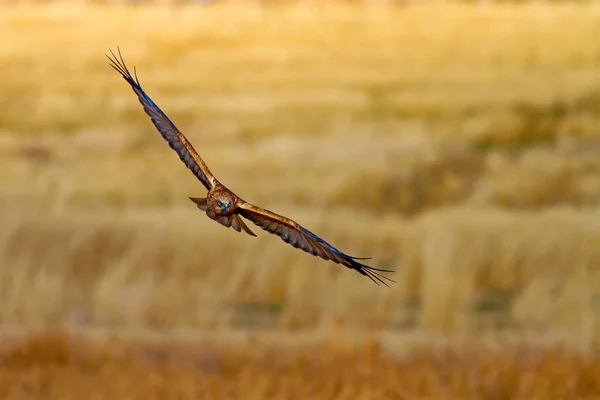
x,y
177,141
200,202
299,237
235,224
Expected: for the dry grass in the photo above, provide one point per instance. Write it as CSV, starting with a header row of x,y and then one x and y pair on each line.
x,y
143,270
430,110
56,366
462,153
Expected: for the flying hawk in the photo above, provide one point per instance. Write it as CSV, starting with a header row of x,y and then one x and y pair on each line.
x,y
225,207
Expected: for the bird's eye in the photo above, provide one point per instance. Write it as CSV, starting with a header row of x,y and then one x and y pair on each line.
x,y
219,203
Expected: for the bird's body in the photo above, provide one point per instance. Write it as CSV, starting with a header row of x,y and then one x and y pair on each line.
x,y
224,206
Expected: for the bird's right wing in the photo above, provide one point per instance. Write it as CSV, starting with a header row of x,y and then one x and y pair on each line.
x,y
301,238
177,141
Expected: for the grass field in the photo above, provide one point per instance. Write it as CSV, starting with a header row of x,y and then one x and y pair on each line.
x,y
461,153
456,144
55,366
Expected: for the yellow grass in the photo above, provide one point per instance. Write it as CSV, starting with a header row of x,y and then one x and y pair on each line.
x,y
58,366
457,145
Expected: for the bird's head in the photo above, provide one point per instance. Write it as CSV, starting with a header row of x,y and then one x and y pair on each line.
x,y
222,205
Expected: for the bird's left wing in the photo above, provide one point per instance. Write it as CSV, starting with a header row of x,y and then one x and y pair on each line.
x,y
301,238
177,141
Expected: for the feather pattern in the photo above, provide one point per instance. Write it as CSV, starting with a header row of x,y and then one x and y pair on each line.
x,y
301,238
177,141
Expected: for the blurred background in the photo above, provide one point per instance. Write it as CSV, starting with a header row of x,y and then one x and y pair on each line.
x,y
457,143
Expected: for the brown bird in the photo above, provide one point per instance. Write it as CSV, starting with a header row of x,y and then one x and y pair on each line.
x,y
225,207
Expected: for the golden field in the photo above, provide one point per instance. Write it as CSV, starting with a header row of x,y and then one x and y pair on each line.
x,y
463,153
457,145
56,366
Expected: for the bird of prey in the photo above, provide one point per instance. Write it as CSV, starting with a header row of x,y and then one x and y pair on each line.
x,y
224,206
